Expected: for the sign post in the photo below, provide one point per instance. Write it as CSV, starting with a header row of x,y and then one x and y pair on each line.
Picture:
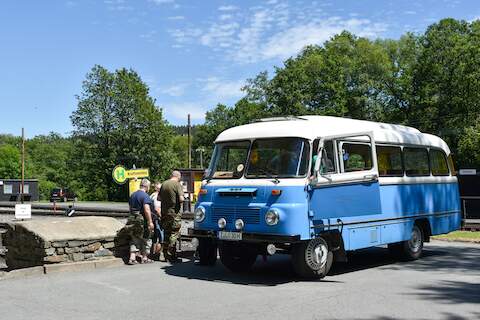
x,y
120,175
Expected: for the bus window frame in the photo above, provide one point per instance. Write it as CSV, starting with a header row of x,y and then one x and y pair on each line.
x,y
400,146
363,176
445,157
424,148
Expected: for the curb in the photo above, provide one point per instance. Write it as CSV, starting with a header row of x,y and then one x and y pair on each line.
x,y
62,267
458,240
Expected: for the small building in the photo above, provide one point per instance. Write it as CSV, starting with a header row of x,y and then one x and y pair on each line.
x,y
10,189
469,185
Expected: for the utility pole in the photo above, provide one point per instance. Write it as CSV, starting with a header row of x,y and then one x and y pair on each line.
x,y
23,165
189,129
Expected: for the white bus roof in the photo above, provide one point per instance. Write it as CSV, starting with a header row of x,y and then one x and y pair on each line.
x,y
312,127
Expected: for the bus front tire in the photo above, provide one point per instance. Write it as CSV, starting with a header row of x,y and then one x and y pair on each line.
x,y
207,252
312,259
411,249
237,257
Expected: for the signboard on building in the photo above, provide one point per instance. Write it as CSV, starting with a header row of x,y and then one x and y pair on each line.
x,y
467,172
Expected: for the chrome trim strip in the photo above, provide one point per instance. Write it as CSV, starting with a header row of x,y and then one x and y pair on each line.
x,y
440,213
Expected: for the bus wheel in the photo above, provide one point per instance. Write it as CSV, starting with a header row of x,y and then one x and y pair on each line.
x,y
237,257
207,252
410,249
312,259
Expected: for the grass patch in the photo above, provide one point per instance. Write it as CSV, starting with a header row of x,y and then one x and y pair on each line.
x,y
469,236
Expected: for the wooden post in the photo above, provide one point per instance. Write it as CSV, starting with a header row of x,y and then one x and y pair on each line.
x,y
23,165
189,132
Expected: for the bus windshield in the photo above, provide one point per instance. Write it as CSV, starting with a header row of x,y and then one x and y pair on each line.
x,y
267,158
228,160
279,158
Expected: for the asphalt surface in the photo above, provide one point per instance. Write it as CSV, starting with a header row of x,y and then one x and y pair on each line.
x,y
445,284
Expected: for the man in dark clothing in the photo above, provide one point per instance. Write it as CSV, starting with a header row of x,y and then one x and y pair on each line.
x,y
171,196
140,222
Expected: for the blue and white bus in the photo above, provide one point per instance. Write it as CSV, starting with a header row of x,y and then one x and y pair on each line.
x,y
317,187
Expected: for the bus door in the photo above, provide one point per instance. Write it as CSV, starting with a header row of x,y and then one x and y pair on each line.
x,y
345,186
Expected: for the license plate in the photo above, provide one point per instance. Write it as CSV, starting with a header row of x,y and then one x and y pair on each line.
x,y
231,236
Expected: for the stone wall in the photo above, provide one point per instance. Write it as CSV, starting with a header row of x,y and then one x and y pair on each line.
x,y
36,243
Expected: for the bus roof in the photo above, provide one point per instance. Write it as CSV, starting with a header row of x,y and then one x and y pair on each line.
x,y
312,127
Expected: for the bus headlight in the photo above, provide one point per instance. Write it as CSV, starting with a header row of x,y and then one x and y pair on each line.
x,y
272,217
199,214
222,223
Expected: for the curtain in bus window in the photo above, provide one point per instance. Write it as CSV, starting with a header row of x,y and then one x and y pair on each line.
x,y
438,163
389,161
356,157
416,161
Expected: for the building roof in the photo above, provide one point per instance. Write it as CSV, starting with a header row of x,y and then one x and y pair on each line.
x,y
312,127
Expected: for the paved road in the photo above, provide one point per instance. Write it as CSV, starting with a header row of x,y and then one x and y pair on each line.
x,y
445,284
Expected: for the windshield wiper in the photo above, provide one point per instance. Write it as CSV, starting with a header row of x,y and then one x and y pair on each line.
x,y
268,174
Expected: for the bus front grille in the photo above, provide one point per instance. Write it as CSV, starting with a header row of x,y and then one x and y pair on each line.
x,y
247,214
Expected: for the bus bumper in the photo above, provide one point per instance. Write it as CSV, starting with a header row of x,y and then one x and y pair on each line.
x,y
247,237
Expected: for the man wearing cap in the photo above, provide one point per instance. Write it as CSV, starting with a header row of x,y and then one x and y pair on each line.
x,y
140,224
171,197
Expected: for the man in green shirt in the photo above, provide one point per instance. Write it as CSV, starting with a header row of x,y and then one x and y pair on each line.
x,y
171,197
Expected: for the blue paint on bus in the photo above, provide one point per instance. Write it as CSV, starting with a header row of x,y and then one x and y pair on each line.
x,y
367,214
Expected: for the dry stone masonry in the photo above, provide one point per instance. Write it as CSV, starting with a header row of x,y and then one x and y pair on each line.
x,y
35,243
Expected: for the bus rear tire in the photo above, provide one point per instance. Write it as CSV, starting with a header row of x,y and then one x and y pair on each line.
x,y
312,259
237,257
411,249
207,252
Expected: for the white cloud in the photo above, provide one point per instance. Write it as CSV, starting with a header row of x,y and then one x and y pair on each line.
x,y
176,18
410,12
149,35
225,17
289,42
183,36
175,90
227,8
474,18
220,35
221,89
181,110
271,31
162,1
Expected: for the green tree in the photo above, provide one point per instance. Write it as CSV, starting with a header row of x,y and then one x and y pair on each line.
x,y
9,162
48,161
117,122
448,80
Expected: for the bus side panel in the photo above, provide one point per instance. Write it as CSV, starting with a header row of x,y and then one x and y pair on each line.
x,y
348,201
415,199
401,205
437,202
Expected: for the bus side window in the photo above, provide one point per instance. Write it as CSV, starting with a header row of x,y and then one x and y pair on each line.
x,y
389,160
356,156
438,163
416,162
327,164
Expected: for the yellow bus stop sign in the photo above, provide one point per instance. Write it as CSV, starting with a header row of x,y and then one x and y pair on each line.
x,y
119,174
137,173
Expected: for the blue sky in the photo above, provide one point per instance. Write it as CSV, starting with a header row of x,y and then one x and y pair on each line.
x,y
192,54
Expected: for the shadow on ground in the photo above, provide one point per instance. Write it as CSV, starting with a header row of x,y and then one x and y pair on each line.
x,y
278,270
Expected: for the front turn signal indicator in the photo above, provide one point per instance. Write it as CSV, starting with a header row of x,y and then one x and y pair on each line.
x,y
203,191
276,192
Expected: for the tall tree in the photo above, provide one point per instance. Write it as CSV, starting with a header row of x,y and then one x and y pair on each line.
x,y
117,122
